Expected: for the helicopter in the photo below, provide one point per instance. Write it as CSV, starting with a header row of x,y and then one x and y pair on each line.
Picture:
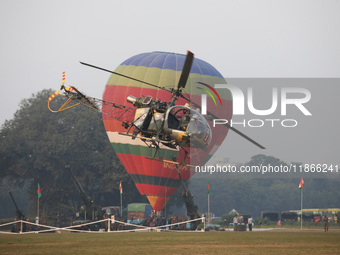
x,y
155,122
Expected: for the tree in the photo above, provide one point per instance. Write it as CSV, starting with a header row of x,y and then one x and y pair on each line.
x,y
37,144
262,159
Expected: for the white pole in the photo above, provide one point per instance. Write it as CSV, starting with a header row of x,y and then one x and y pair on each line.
x,y
301,206
121,205
208,208
38,210
121,198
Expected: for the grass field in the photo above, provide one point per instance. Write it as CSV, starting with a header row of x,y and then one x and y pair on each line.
x,y
256,242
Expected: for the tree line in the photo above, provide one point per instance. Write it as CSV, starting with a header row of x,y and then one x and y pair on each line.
x,y
251,194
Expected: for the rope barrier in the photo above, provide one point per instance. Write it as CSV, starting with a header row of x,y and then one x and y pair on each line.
x,y
139,228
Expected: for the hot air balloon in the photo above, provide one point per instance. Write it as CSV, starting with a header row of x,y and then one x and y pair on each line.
x,y
158,180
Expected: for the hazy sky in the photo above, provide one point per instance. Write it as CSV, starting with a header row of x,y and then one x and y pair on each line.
x,y
41,39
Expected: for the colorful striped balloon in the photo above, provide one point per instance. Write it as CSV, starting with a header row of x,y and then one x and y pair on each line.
x,y
156,179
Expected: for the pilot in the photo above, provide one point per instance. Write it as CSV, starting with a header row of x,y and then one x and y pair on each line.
x,y
185,120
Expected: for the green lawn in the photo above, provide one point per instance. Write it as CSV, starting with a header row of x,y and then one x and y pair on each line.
x,y
266,242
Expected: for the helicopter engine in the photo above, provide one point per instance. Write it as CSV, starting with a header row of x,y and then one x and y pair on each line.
x,y
142,102
149,115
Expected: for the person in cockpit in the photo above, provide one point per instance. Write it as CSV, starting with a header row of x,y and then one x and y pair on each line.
x,y
185,121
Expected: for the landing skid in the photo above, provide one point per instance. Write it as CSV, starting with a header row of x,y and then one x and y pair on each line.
x,y
155,142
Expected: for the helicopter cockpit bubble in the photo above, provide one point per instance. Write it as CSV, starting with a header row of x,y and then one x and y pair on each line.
x,y
199,130
186,119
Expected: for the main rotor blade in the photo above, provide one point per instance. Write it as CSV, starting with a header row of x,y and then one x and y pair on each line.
x,y
227,124
186,70
244,136
125,76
